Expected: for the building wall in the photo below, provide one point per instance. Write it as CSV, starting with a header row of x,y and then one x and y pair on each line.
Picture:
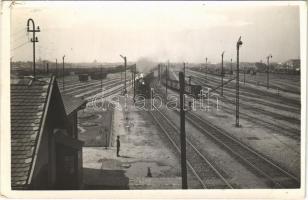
x,y
73,124
42,174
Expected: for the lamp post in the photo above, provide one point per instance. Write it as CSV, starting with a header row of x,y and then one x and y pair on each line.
x,y
237,100
63,73
33,39
222,73
268,57
124,57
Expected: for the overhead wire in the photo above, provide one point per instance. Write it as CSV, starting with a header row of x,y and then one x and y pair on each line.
x,y
19,31
20,37
19,46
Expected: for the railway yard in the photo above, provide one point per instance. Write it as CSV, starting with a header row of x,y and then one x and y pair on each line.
x,y
264,152
168,99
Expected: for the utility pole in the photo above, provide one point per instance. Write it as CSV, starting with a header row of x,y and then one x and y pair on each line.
x,y
183,133
166,82
158,72
121,75
244,74
124,57
222,73
268,57
102,78
47,68
134,82
63,73
237,102
206,69
184,71
131,71
56,67
33,40
231,72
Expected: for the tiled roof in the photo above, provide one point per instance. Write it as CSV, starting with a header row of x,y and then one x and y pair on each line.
x,y
72,103
28,105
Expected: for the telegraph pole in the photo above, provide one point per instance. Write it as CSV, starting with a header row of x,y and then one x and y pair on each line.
x,y
183,133
268,57
63,73
222,73
33,40
102,78
237,112
124,57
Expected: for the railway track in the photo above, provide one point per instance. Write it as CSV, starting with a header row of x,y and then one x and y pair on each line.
x,y
281,129
274,83
107,94
206,173
287,131
271,126
84,86
248,92
248,97
276,176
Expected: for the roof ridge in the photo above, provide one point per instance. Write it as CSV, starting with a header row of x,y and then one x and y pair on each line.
x,y
41,129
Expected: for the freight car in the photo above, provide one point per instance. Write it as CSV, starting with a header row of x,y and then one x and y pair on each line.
x,y
190,89
83,77
98,76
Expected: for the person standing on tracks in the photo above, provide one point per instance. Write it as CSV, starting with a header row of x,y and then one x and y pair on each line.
x,y
118,146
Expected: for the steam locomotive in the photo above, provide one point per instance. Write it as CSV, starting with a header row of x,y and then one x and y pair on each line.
x,y
143,84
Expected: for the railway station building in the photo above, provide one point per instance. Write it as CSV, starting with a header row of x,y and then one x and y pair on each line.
x,y
45,150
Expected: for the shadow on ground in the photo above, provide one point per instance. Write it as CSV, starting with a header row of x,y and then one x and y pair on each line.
x,y
100,179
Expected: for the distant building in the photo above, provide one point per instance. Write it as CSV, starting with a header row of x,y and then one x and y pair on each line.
x,y
45,150
293,64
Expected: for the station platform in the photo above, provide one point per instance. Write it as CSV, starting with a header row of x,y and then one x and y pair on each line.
x,y
146,160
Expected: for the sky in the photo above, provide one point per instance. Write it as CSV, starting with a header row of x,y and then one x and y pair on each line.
x,y
159,31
